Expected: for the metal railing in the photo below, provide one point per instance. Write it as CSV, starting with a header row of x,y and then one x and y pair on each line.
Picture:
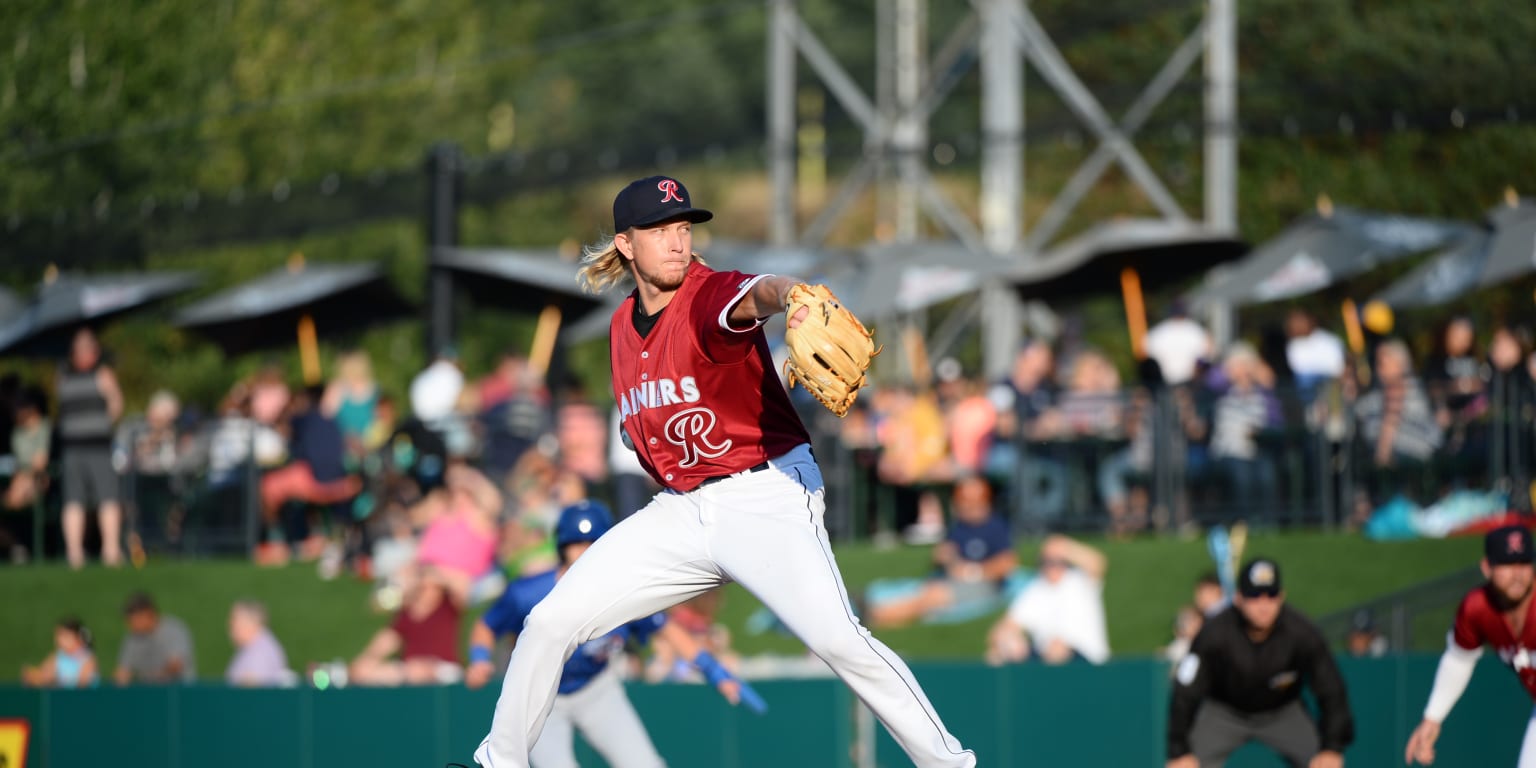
x,y
1159,471
1414,618
1311,467
198,494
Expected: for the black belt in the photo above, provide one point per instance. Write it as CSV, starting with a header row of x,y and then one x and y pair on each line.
x,y
748,470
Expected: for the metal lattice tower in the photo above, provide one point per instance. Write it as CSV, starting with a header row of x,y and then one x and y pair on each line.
x,y
1001,35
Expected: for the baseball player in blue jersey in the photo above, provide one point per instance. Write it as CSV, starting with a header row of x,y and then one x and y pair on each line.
x,y
590,695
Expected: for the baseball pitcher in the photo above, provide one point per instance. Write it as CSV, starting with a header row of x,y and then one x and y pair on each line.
x,y
701,404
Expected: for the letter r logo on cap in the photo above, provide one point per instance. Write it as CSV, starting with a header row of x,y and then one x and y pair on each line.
x,y
669,188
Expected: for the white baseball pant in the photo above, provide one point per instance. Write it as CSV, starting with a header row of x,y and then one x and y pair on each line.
x,y
606,719
763,530
1528,745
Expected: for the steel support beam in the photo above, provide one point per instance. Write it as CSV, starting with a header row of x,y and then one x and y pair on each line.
x,y
1087,174
445,184
1002,177
837,79
848,191
781,120
1221,116
1002,35
1056,71
908,137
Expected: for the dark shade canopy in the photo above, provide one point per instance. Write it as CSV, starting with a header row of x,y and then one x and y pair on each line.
x,y
1512,252
891,278
10,304
1441,278
43,324
1324,248
519,280
1468,264
725,255
264,313
1163,253
593,325
761,259
877,280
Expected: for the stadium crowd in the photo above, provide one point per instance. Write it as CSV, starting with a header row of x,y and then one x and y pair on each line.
x,y
1067,439
1295,419
443,498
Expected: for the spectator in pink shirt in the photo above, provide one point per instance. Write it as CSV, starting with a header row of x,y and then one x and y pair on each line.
x,y
972,418
462,528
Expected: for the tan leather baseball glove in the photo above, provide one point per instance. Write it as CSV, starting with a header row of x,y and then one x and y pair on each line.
x,y
830,350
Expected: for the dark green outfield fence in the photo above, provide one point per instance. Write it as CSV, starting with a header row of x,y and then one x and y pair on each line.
x,y
1023,716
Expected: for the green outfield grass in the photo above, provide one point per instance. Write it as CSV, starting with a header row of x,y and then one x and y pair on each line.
x,y
323,620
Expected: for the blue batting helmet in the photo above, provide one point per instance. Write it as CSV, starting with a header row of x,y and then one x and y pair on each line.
x,y
582,521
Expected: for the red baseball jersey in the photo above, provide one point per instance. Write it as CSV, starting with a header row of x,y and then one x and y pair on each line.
x,y
1478,621
697,397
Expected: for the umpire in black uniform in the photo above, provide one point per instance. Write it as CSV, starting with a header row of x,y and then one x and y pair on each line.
x,y
1242,681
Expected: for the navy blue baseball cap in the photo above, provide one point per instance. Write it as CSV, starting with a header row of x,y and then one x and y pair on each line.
x,y
652,200
582,521
1509,545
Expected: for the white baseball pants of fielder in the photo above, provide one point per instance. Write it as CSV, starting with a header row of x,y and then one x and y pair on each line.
x,y
607,720
763,530
1528,744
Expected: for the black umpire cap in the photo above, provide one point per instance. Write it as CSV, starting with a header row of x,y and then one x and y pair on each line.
x,y
1509,545
1259,577
652,200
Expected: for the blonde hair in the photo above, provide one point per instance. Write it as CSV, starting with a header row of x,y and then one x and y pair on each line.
x,y
603,267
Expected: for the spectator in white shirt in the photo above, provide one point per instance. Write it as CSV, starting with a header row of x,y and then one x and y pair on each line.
x,y
435,394
1059,617
1314,354
1178,344
435,391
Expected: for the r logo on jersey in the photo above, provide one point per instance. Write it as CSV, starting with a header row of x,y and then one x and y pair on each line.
x,y
690,430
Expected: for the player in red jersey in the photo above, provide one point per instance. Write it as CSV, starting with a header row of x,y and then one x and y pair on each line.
x,y
1498,613
703,406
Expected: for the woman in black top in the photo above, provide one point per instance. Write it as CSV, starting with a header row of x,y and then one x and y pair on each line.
x,y
1455,377
89,404
1511,410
